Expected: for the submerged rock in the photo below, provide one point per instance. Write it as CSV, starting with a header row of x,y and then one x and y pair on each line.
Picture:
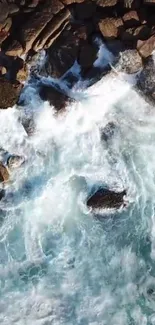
x,y
106,199
55,97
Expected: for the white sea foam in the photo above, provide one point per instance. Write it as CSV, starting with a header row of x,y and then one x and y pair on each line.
x,y
59,264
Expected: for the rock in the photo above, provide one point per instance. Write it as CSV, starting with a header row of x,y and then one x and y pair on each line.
x,y
145,48
85,10
3,71
15,161
142,33
106,199
54,96
107,3
130,62
4,29
87,55
146,79
4,175
83,32
61,55
52,30
22,74
4,11
35,25
111,28
2,213
14,49
131,19
9,93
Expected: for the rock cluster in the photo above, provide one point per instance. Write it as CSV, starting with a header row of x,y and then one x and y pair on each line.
x,y
66,29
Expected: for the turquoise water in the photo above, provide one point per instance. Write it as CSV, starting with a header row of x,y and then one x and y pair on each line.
x,y
59,264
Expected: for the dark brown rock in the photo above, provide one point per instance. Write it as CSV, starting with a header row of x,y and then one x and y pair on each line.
x,y
145,48
85,10
106,199
111,28
61,55
4,175
131,19
142,33
55,97
9,93
87,55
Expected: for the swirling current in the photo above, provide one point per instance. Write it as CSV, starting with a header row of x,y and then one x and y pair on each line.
x,y
59,264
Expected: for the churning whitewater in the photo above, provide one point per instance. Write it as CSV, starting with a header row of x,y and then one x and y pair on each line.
x,y
58,263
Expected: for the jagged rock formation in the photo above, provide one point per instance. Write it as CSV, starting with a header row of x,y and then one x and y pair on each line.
x,y
66,30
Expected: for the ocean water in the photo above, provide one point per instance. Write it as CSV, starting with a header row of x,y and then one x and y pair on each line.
x,y
60,264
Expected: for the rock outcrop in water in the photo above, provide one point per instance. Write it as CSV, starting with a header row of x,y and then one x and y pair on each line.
x,y
106,199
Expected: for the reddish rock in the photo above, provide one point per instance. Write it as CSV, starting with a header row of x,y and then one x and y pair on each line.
x,y
34,26
106,199
52,30
111,28
142,33
145,48
4,175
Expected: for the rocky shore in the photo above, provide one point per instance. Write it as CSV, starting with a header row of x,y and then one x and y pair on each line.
x,y
67,31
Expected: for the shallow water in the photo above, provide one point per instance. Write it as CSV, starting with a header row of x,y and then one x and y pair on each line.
x,y
59,264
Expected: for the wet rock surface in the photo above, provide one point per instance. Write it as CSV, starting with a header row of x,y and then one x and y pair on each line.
x,y
106,199
55,97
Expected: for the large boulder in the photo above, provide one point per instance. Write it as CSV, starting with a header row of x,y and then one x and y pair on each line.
x,y
34,26
87,54
106,199
111,28
9,93
52,30
54,96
